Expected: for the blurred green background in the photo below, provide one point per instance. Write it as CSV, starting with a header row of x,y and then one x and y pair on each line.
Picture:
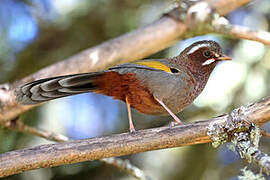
x,y
37,33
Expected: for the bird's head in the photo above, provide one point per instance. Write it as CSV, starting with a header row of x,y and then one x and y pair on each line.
x,y
204,54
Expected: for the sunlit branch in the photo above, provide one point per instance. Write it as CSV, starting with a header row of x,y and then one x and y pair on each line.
x,y
124,144
18,126
222,26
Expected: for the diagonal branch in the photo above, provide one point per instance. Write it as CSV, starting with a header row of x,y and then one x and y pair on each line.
x,y
19,126
149,39
222,26
123,144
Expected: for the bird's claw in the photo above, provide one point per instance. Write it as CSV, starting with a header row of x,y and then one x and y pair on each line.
x,y
132,130
174,123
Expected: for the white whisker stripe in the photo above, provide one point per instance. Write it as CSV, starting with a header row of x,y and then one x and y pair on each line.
x,y
209,61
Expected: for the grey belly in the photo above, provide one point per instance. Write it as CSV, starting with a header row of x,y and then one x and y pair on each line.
x,y
176,91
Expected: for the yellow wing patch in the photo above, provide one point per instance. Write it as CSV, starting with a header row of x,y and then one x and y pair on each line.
x,y
154,64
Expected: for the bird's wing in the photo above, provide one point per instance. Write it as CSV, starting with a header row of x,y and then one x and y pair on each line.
x,y
149,64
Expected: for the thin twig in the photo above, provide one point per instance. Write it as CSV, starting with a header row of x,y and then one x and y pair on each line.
x,y
265,134
19,126
126,166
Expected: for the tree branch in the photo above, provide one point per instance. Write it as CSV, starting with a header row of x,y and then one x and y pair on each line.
x,y
18,126
222,26
225,6
124,144
126,166
149,39
247,144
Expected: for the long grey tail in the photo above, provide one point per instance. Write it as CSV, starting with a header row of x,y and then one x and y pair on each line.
x,y
55,87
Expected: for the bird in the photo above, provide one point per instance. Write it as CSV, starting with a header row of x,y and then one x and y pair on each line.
x,y
151,86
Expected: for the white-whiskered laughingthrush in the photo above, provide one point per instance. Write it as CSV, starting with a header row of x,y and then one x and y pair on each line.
x,y
151,86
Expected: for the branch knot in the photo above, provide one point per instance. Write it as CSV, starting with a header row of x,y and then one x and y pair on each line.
x,y
199,18
223,132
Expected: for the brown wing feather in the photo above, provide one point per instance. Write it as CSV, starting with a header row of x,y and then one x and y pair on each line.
x,y
121,85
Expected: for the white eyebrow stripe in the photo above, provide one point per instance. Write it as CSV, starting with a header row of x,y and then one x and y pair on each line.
x,y
195,48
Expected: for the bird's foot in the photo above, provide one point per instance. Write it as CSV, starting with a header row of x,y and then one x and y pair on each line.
x,y
132,130
175,123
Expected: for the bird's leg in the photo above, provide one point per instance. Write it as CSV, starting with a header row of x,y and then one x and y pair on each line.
x,y
131,126
176,119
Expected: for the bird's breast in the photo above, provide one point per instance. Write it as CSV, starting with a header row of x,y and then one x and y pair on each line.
x,y
186,89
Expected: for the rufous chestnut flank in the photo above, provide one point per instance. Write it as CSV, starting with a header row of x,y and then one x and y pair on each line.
x,y
151,86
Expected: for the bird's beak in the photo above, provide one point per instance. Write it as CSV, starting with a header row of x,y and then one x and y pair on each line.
x,y
224,58
217,58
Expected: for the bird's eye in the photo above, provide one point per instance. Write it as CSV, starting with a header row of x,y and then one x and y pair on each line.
x,y
207,54
174,70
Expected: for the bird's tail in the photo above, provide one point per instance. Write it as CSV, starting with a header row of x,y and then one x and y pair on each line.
x,y
56,87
